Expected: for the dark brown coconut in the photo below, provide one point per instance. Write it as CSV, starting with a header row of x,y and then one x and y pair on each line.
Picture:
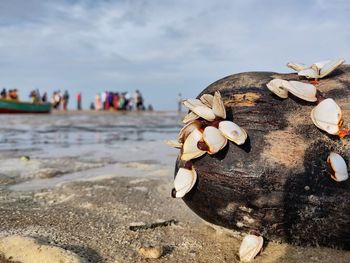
x,y
277,183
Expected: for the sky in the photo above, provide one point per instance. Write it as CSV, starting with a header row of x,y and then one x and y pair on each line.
x,y
161,47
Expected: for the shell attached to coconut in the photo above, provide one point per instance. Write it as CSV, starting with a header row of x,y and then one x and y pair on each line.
x,y
275,161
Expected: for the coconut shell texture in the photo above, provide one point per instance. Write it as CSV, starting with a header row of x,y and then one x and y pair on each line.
x,y
278,183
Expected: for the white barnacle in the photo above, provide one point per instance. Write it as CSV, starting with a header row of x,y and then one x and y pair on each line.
x,y
299,89
200,109
327,116
214,139
218,106
339,167
190,149
277,86
184,181
250,247
317,70
233,132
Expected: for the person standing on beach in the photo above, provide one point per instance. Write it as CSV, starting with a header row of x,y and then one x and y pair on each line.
x,y
44,98
65,100
98,102
3,93
179,102
79,101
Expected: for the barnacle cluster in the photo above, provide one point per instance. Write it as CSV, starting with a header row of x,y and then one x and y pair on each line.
x,y
206,130
327,115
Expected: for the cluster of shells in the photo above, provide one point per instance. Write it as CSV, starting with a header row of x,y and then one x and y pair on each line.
x,y
206,131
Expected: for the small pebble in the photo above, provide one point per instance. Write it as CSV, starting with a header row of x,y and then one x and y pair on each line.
x,y
151,252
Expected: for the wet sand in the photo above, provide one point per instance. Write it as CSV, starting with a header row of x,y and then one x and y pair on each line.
x,y
88,206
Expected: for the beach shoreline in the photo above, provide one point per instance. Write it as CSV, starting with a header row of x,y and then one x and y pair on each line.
x,y
93,219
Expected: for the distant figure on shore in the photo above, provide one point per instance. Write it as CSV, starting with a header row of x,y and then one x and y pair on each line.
x,y
179,102
12,94
92,106
56,100
138,100
3,93
79,101
34,96
65,99
150,107
98,102
44,97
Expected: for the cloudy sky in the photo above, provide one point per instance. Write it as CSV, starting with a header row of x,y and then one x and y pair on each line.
x,y
161,47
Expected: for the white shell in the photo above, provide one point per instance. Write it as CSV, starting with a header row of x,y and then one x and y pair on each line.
x,y
184,181
339,167
317,70
302,90
218,106
214,139
186,130
191,116
233,132
277,87
327,115
250,247
309,73
330,66
204,112
319,65
297,66
190,150
207,99
191,103
173,143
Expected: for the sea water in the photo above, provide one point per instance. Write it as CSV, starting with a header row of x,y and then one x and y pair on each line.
x,y
63,147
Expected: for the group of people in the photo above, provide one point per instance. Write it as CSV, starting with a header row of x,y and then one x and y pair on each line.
x,y
119,101
59,100
104,101
11,94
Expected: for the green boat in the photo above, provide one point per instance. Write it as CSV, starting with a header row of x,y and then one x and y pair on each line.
x,y
13,106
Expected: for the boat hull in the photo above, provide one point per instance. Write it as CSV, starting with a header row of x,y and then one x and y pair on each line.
x,y
9,107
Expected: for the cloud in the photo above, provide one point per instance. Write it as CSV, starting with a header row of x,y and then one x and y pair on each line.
x,y
161,47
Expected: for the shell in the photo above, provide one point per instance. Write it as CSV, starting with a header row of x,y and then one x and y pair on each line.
x,y
233,132
192,103
191,116
303,90
320,69
204,112
250,247
327,116
297,66
277,87
190,150
184,181
214,139
218,106
207,100
330,67
339,167
186,130
173,143
309,73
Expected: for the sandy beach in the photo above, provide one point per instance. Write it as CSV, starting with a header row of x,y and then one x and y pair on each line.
x,y
98,188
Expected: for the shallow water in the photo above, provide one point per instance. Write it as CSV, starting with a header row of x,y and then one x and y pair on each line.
x,y
63,145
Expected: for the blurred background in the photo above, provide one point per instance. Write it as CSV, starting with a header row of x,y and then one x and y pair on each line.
x,y
160,47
